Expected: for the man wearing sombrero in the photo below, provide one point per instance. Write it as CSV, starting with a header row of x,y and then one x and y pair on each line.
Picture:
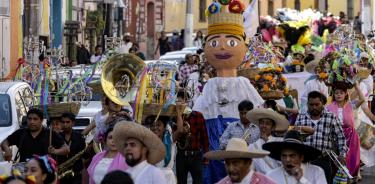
x,y
238,160
268,121
225,50
294,156
142,149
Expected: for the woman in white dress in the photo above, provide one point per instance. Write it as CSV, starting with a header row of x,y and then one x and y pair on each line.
x,y
108,160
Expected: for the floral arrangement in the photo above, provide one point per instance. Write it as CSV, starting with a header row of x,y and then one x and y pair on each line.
x,y
270,79
343,70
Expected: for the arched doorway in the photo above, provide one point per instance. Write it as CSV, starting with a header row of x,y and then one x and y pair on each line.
x,y
150,29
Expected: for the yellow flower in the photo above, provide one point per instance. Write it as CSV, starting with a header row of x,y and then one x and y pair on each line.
x,y
268,77
257,77
266,88
323,75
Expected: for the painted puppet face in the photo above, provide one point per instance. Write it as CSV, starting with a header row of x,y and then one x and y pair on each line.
x,y
225,51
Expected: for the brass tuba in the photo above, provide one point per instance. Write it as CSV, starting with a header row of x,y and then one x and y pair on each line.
x,y
120,77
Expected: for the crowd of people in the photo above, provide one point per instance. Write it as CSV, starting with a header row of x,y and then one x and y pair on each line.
x,y
223,129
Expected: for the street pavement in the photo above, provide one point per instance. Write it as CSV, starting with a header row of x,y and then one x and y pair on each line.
x,y
368,175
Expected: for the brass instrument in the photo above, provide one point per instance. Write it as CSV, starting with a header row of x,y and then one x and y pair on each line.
x,y
66,169
120,76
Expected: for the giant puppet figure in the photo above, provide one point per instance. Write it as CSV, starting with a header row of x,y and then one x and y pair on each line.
x,y
225,50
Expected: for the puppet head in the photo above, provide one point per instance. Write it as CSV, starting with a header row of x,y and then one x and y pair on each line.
x,y
225,46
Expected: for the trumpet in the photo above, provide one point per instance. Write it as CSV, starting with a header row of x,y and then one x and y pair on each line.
x,y
333,156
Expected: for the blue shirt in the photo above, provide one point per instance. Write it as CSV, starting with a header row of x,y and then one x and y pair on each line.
x,y
237,130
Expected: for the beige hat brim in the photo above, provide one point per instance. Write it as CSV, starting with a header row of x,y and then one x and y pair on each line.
x,y
221,154
281,123
310,67
124,130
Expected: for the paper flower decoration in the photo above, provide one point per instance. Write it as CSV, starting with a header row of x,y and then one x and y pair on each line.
x,y
214,8
224,2
236,6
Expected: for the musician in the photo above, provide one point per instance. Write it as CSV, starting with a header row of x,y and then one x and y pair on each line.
x,y
268,121
294,156
34,140
238,128
76,144
190,148
328,132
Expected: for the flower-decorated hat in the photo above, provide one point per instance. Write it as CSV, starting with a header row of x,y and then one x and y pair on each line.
x,y
225,16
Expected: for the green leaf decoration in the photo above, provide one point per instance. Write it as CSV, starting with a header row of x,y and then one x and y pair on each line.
x,y
335,64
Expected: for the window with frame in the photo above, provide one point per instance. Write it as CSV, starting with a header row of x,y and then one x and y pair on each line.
x,y
20,107
202,10
5,7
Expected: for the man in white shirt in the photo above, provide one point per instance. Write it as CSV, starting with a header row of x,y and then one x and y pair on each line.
x,y
295,156
142,149
268,121
238,159
98,56
125,45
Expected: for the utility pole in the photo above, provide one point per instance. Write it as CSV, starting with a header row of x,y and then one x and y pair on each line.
x,y
189,24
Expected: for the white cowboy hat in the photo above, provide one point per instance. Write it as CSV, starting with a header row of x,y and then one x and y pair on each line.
x,y
124,130
281,123
128,34
236,148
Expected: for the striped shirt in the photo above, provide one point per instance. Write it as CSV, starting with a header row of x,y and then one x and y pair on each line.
x,y
237,130
328,132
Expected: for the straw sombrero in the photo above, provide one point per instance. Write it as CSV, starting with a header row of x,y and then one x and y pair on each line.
x,y
281,123
292,141
236,148
124,130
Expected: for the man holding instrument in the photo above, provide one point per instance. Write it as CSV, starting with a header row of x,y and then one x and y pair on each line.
x,y
76,144
242,128
34,140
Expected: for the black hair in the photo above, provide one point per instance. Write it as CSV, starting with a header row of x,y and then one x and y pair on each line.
x,y
183,94
317,94
309,58
133,49
271,104
245,105
340,86
200,51
98,46
109,130
151,119
50,176
38,112
117,177
68,115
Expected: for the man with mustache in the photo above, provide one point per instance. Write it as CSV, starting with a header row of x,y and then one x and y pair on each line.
x,y
238,160
142,149
328,135
294,156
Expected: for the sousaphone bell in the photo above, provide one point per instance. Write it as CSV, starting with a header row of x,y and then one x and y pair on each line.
x,y
120,77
